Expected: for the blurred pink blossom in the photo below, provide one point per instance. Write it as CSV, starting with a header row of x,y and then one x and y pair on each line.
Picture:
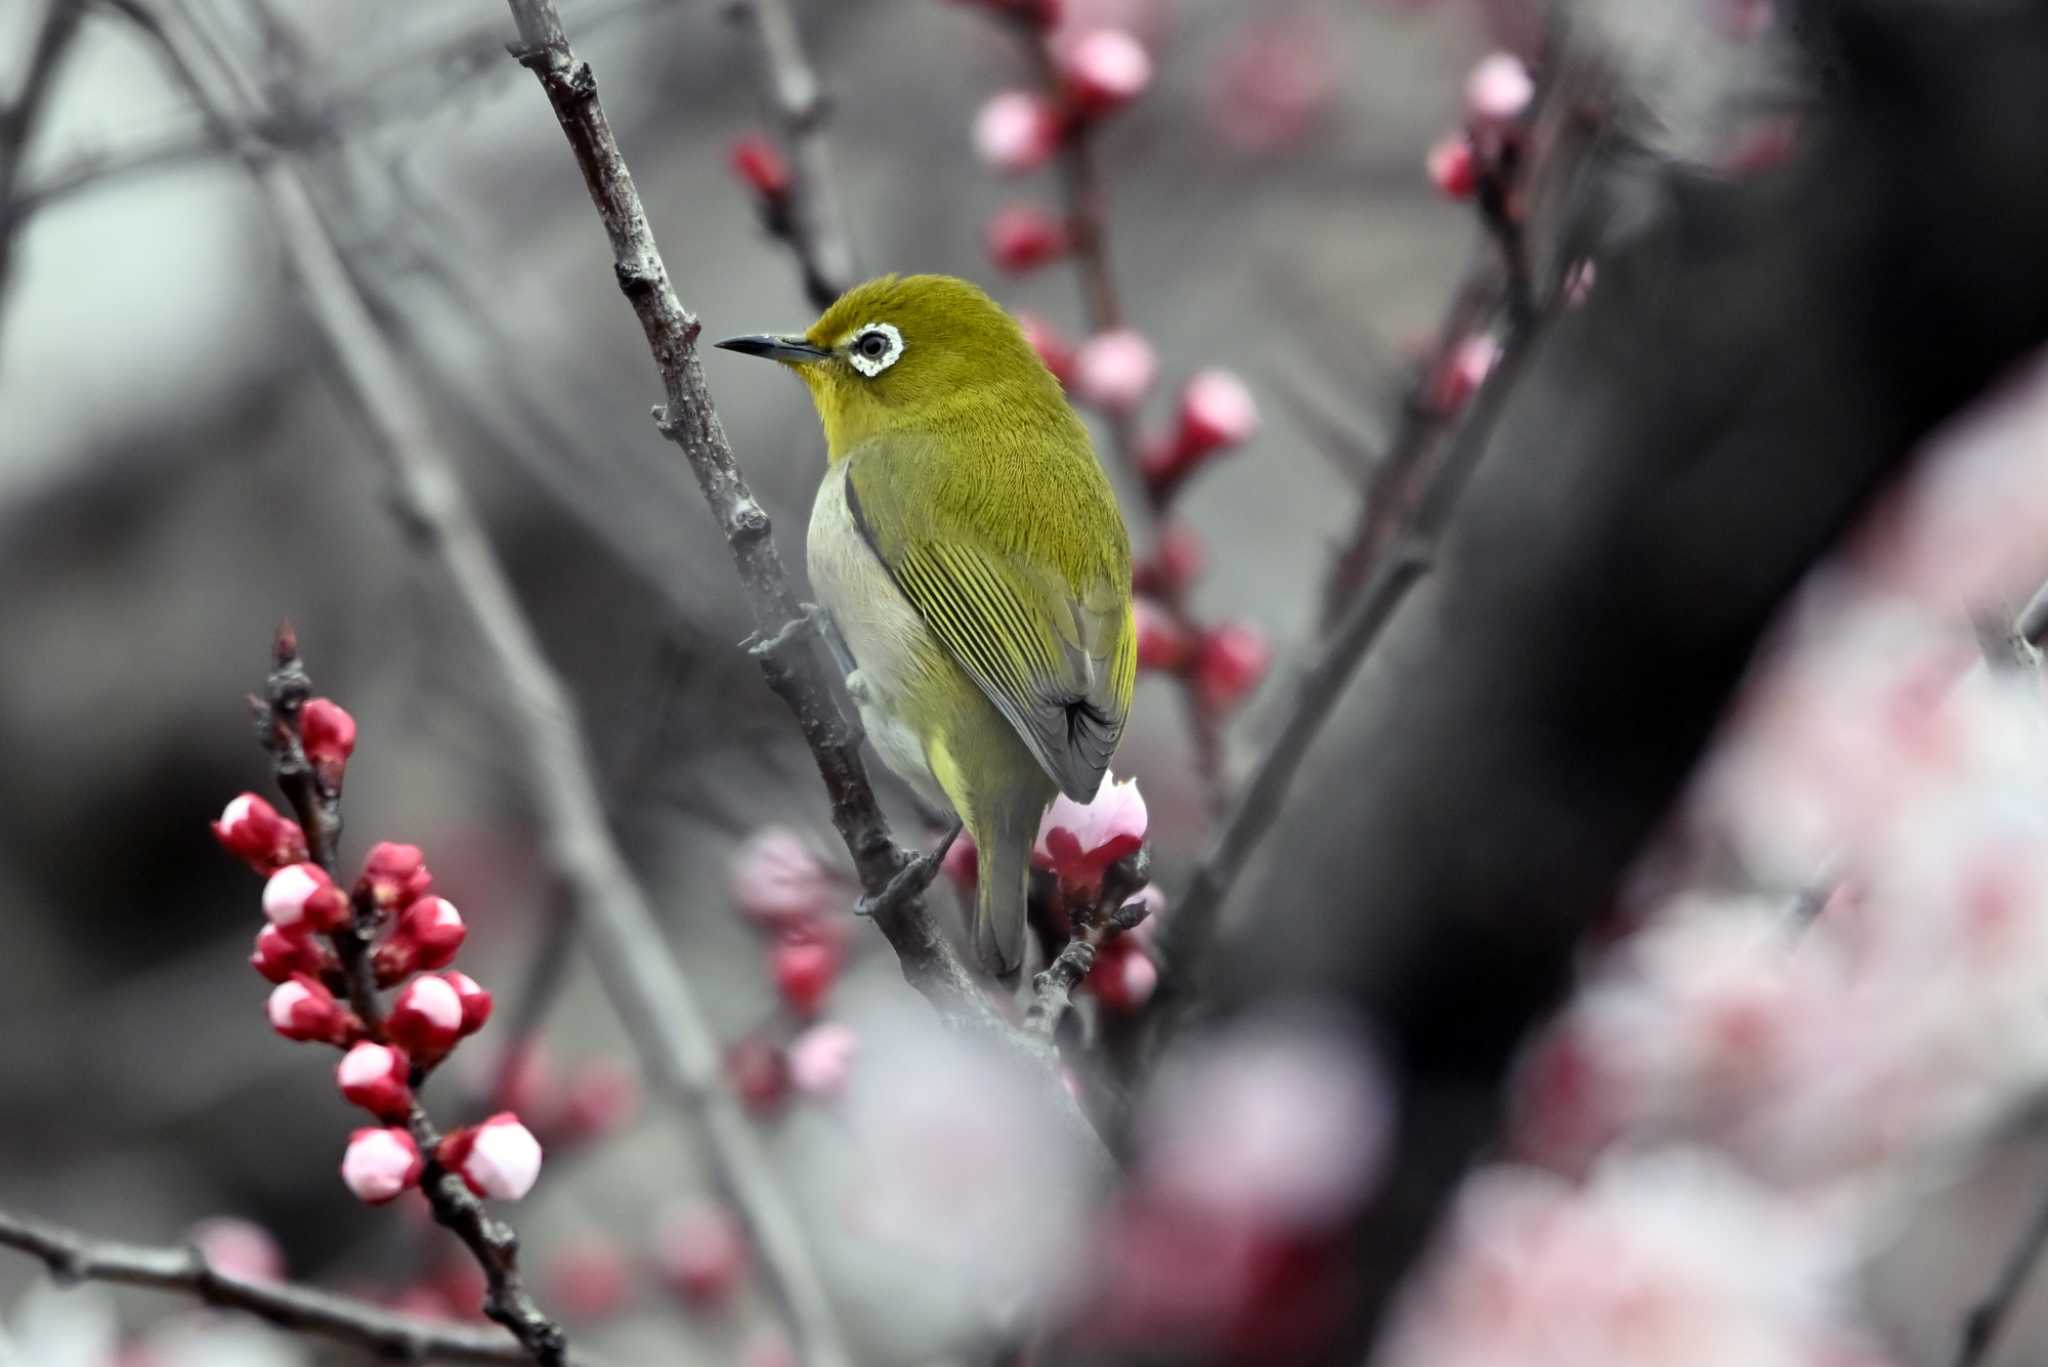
x,y
1114,370
821,1058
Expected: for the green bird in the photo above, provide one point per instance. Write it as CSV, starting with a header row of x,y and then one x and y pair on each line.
x,y
970,551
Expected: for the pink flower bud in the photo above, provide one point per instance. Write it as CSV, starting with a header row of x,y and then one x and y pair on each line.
x,y
1232,660
602,1099
426,1019
1078,841
758,1073
377,1078
1463,371
701,1253
590,1279
1113,370
1052,348
821,1058
778,881
279,955
428,934
1175,564
1124,976
760,166
475,1001
1499,90
1216,411
1274,82
805,969
1162,645
1452,167
303,1009
1016,131
499,1160
241,1249
1022,237
251,830
300,899
328,734
381,1164
1104,70
394,875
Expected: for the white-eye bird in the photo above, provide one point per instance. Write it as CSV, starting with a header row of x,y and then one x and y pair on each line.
x,y
969,548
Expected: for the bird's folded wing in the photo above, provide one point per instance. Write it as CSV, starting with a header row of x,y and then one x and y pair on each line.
x,y
1058,659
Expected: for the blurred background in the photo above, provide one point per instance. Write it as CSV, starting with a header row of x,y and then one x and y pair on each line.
x,y
183,466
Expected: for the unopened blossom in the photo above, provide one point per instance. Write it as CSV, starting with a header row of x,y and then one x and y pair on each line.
x,y
1463,371
377,1078
303,1009
1104,70
394,875
251,830
1175,563
301,899
381,1164
427,937
804,968
473,999
1499,90
601,1099
1216,411
1229,663
328,734
821,1057
426,1019
279,956
760,165
1123,977
498,1160
1023,237
1017,131
778,881
589,1278
1078,841
238,1248
1114,370
701,1253
1454,167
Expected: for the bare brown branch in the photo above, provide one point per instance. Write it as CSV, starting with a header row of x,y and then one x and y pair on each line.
x,y
71,1258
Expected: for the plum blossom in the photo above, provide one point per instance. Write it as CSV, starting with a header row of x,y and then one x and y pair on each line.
x,y
1079,841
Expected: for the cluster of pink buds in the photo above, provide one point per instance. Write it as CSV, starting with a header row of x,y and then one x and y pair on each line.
x,y
782,887
329,951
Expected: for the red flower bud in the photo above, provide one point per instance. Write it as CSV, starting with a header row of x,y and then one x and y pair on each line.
x,y
1162,644
301,1008
1123,977
328,734
252,831
426,1019
702,1254
1053,349
427,937
962,863
1216,412
1232,660
380,1164
476,1003
1022,237
393,876
499,1160
278,956
760,166
1463,371
804,972
1077,841
1175,564
1017,131
377,1077
1452,167
1104,70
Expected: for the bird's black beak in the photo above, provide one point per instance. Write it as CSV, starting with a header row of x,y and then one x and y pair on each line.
x,y
788,350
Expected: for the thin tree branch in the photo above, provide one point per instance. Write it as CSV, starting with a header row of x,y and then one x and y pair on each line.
x,y
19,119
815,227
1116,911
676,1044
71,1258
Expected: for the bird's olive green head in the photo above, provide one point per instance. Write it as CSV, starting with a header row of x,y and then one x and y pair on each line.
x,y
913,352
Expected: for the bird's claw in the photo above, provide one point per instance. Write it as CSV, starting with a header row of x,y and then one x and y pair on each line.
x,y
911,879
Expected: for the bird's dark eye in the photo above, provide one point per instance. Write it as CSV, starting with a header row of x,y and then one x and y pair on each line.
x,y
872,345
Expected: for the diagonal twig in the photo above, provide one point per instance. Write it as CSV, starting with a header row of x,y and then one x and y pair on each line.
x,y
71,1257
815,227
19,117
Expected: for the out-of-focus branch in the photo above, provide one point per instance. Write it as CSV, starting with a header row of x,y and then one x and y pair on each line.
x,y
676,1044
19,118
815,227
1988,1316
71,1258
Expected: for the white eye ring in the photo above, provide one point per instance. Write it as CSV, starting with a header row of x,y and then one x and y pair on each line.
x,y
872,366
